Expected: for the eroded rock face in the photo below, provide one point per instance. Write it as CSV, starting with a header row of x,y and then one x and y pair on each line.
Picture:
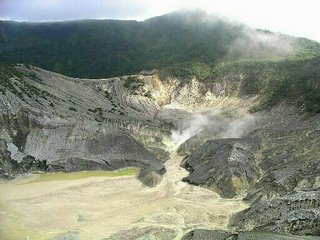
x,y
71,235
79,148
9,168
191,145
226,166
74,125
145,233
200,234
285,199
289,156
294,214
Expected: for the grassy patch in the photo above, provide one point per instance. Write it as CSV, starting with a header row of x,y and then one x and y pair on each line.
x,y
133,83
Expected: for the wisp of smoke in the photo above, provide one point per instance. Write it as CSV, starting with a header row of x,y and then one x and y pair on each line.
x,y
214,124
190,128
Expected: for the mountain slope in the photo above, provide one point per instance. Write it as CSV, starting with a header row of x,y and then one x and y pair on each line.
x,y
244,103
296,80
100,48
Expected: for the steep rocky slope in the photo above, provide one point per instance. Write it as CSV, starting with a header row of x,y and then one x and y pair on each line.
x,y
226,166
225,235
76,124
50,122
289,162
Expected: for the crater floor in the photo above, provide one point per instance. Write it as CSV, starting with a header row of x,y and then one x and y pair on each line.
x,y
99,206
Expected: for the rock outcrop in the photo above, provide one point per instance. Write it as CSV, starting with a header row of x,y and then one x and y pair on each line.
x,y
226,166
284,196
9,168
297,213
200,234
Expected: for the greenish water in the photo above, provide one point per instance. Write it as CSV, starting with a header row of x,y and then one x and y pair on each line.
x,y
45,177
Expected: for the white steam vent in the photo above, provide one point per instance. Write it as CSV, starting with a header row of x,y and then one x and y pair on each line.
x,y
213,124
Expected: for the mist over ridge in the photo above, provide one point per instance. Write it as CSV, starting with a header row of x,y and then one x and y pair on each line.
x,y
105,48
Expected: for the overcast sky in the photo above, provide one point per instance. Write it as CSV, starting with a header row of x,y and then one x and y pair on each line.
x,y
295,17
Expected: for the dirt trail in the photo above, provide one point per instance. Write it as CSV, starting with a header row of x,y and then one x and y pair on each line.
x,y
100,206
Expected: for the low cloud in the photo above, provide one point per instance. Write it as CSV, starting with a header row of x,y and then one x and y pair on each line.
x,y
260,44
301,20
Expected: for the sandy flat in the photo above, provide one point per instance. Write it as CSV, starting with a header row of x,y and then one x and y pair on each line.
x,y
102,205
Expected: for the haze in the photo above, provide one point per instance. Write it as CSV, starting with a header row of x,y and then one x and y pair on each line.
x,y
298,18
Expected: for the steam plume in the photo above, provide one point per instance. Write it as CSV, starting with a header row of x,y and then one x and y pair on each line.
x,y
214,124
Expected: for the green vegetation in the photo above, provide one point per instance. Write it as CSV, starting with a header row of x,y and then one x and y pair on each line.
x,y
14,80
97,110
181,45
7,73
187,71
148,94
35,77
108,95
296,80
133,83
123,47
